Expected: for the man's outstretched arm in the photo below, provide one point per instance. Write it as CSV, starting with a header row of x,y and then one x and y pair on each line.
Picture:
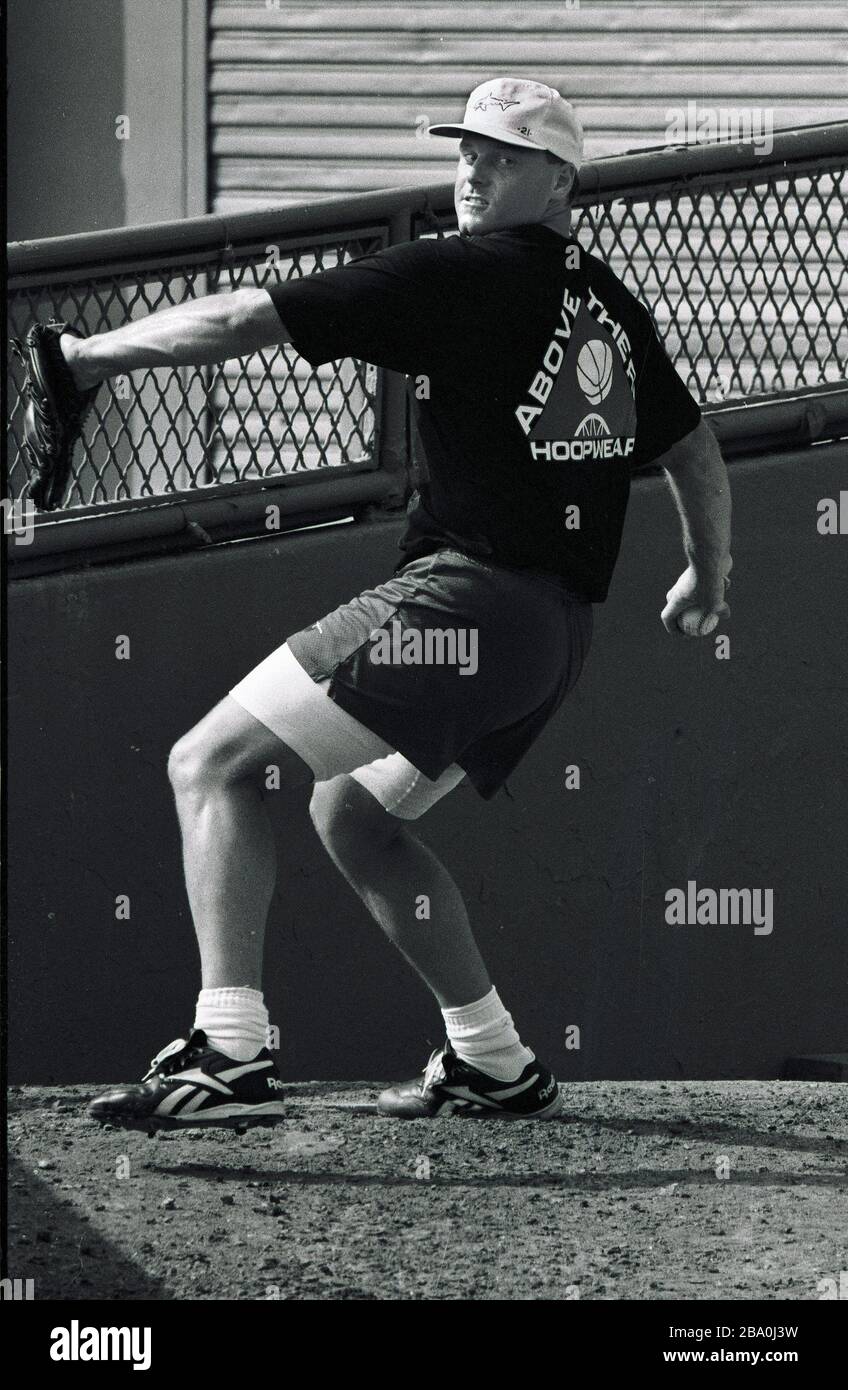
x,y
698,479
197,333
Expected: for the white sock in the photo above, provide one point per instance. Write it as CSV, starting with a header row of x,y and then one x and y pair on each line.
x,y
235,1021
484,1035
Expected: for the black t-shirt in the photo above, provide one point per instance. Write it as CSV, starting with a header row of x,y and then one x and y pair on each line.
x,y
538,382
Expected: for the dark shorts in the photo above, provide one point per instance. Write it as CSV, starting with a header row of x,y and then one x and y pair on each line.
x,y
452,661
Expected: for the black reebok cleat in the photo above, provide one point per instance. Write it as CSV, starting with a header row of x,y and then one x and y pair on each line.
x,y
450,1086
55,412
190,1084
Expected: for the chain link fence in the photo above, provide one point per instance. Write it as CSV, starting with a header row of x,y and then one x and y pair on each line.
x,y
166,430
743,268
747,282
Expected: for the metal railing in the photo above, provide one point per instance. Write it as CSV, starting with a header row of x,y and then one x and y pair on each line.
x,y
739,255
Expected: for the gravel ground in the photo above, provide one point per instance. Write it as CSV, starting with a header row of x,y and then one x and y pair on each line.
x,y
643,1190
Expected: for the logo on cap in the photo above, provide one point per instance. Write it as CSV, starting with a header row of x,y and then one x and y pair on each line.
x,y
496,101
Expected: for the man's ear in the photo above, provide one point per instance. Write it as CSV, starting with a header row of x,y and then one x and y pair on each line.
x,y
566,178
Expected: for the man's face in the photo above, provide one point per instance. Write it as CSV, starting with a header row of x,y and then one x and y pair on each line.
x,y
500,185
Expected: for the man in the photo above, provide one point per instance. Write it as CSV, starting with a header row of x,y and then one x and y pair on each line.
x,y
540,386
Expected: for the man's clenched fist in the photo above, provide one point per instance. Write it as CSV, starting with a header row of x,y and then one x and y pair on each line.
x,y
695,603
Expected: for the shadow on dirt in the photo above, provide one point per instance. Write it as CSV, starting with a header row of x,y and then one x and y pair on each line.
x,y
705,1133
65,1257
632,1178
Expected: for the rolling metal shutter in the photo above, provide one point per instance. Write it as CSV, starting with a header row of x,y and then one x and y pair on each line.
x,y
311,100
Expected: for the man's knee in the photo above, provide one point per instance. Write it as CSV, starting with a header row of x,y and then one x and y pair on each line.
x,y
192,763
229,745
350,822
204,758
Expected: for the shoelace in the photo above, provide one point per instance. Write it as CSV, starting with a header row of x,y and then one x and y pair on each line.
x,y
432,1070
171,1057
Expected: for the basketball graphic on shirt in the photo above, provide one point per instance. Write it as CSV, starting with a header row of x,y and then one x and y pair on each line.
x,y
580,407
594,370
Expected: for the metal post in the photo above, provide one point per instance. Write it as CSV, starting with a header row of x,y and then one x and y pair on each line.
x,y
393,414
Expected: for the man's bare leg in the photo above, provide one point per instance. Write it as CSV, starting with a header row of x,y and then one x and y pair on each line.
x,y
198,333
229,855
221,1072
389,869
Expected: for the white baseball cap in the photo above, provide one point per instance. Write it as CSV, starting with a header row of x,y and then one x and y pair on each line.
x,y
520,112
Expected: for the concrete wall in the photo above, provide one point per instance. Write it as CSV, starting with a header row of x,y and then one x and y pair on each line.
x,y
75,66
725,772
